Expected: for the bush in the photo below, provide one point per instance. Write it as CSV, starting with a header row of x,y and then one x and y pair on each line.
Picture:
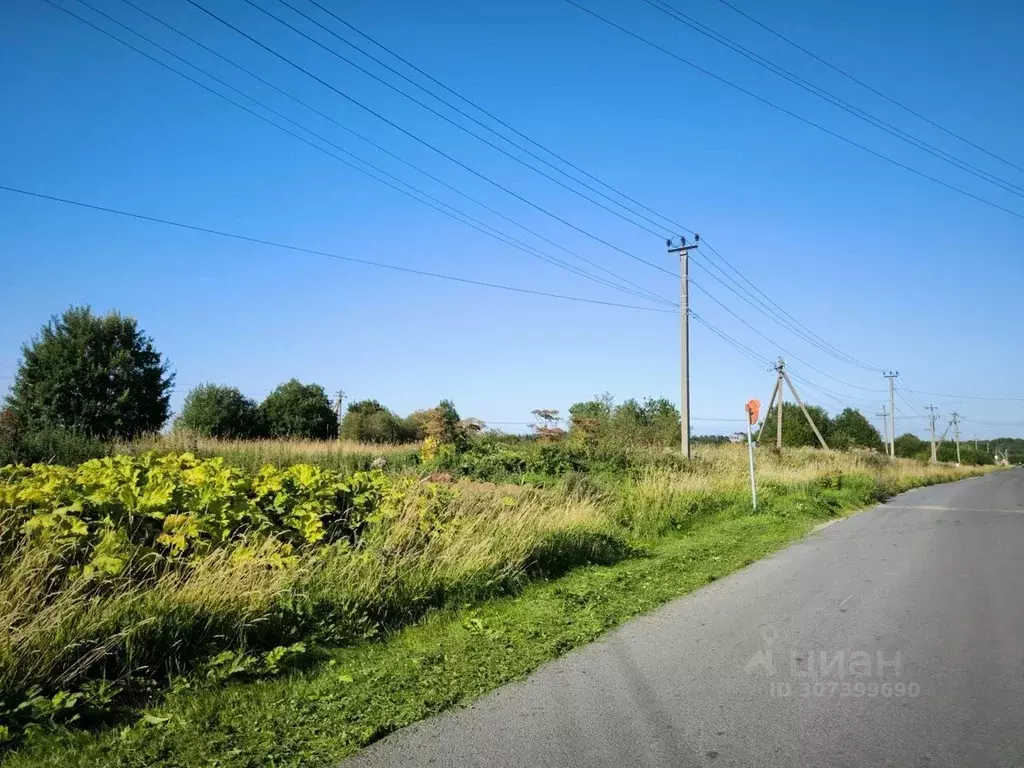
x,y
367,421
96,376
57,446
295,409
212,410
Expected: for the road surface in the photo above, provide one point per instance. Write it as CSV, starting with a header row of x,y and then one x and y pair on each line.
x,y
891,638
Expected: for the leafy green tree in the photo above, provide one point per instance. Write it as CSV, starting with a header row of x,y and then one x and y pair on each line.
x,y
851,429
97,376
795,429
367,421
590,420
911,447
295,409
213,410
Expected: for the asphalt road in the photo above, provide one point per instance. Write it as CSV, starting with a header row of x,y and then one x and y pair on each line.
x,y
733,674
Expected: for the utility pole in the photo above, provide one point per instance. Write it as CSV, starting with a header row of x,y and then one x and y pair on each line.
x,y
783,377
885,428
683,249
776,393
891,376
931,410
339,398
956,432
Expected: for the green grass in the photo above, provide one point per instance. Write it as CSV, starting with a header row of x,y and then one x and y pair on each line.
x,y
357,694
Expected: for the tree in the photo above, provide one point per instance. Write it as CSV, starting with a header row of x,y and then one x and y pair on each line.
x,y
212,410
795,429
98,376
295,409
590,420
367,421
851,429
546,428
911,446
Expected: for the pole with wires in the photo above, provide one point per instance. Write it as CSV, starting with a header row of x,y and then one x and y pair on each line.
x,y
891,376
931,411
683,249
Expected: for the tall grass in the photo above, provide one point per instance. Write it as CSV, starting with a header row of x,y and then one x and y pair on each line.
x,y
135,632
340,455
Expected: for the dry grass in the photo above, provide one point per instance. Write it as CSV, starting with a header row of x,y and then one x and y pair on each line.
x,y
480,541
341,455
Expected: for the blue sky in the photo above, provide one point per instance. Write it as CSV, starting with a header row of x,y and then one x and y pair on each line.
x,y
893,269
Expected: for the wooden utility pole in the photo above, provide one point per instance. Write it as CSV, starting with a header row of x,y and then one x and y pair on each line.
x,y
956,432
775,393
931,410
683,249
338,400
885,429
783,378
891,376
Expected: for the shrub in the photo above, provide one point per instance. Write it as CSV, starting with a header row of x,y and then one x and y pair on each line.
x,y
367,421
295,409
96,376
211,410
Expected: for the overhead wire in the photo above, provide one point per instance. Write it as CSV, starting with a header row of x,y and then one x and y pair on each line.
x,y
472,222
381,148
802,332
796,116
418,139
831,98
793,325
870,88
661,232
316,252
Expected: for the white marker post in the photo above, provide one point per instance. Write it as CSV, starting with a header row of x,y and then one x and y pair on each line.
x,y
752,409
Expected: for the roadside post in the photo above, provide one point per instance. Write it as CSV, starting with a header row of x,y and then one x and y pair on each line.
x,y
753,411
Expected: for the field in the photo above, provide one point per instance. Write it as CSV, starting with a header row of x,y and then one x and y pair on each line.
x,y
256,603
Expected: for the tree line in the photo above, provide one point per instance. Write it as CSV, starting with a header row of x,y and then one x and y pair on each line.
x,y
87,378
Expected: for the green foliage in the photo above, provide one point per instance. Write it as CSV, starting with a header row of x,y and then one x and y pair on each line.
x,y
295,409
911,446
149,511
95,376
655,422
212,410
851,429
53,446
367,421
795,429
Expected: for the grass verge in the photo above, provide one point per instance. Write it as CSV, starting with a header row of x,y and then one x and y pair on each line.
x,y
357,694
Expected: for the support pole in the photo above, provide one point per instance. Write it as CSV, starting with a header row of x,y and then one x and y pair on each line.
x,y
800,402
750,453
891,376
780,367
931,410
956,433
770,402
684,338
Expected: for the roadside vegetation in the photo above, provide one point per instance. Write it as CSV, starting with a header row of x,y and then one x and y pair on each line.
x,y
218,596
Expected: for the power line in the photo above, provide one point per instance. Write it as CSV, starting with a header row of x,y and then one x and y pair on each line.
x,y
759,305
794,115
675,226
649,294
660,233
968,397
476,223
773,342
800,330
416,138
831,98
313,251
873,90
